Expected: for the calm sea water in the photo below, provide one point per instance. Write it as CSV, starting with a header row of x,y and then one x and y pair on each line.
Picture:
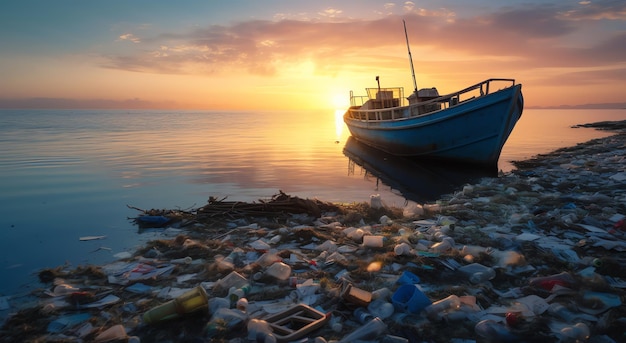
x,y
65,174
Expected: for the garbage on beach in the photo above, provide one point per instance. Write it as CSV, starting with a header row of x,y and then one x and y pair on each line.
x,y
533,255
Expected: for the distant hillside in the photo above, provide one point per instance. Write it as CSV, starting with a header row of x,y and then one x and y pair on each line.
x,y
613,106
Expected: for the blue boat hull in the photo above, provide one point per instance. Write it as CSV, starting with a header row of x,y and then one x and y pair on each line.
x,y
472,132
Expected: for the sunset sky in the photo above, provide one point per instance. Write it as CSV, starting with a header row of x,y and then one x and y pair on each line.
x,y
286,54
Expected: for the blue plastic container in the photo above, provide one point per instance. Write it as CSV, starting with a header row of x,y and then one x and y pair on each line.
x,y
410,298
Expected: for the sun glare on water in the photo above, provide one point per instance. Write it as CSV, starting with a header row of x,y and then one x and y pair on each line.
x,y
341,104
339,123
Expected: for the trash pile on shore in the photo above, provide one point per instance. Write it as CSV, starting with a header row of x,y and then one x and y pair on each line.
x,y
537,254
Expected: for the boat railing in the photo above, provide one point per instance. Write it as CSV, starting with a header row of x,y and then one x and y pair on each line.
x,y
357,100
419,108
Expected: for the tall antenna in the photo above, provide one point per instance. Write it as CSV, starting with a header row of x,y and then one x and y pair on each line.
x,y
410,57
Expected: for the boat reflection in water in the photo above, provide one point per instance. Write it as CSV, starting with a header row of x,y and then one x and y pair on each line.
x,y
418,180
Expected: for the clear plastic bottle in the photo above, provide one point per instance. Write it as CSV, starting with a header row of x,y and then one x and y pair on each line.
x,y
478,273
439,307
268,258
562,312
368,331
381,308
492,331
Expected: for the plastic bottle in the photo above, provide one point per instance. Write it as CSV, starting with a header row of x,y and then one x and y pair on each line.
x,y
190,301
381,293
393,339
184,260
362,315
277,271
233,279
268,258
226,263
368,331
562,312
224,319
492,331
216,303
242,304
258,328
474,250
381,308
478,273
548,282
591,261
446,244
436,309
579,332
235,294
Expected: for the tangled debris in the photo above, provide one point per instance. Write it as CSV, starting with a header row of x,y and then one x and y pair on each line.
x,y
533,255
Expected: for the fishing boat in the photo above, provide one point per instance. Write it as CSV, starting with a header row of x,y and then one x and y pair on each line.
x,y
470,125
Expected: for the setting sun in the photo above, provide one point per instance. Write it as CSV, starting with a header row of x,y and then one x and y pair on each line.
x,y
341,101
303,56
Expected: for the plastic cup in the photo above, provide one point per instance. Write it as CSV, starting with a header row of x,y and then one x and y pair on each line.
x,y
402,249
373,241
410,298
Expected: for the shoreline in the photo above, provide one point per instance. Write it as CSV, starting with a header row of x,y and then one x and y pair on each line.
x,y
532,219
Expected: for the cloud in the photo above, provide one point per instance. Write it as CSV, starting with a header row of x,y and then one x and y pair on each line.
x,y
597,10
330,12
129,37
513,38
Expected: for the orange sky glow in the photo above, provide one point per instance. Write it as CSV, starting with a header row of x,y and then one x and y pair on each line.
x,y
288,55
